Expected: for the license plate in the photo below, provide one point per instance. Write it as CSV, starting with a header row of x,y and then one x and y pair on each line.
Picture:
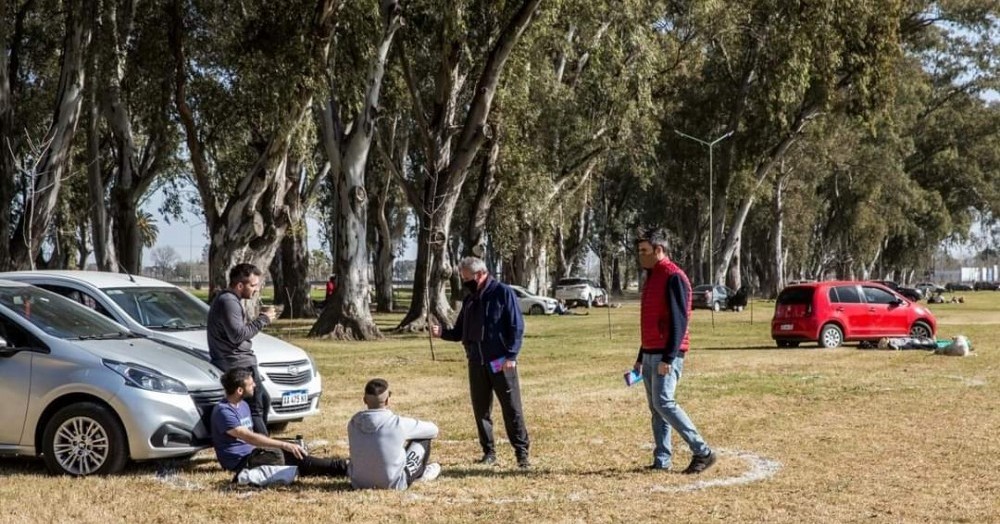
x,y
294,398
787,327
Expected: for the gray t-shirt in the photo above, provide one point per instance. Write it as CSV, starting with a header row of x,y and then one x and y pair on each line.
x,y
230,331
376,438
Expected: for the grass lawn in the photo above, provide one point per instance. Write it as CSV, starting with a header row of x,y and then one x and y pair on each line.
x,y
804,435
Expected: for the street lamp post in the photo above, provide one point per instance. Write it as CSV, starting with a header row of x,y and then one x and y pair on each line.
x,y
191,261
711,196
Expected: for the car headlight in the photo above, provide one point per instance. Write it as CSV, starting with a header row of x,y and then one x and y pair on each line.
x,y
144,378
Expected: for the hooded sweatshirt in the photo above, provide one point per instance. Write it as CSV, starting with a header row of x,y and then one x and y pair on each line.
x,y
377,438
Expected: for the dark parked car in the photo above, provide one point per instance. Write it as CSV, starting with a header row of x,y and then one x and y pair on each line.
x,y
910,293
707,296
982,285
831,312
930,288
958,286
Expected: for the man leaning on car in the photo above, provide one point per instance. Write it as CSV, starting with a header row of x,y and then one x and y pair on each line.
x,y
230,331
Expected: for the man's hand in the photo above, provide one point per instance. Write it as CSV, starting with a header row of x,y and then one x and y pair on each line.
x,y
637,367
509,365
298,451
436,330
662,369
270,312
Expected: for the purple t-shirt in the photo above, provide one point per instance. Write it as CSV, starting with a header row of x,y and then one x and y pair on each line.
x,y
230,451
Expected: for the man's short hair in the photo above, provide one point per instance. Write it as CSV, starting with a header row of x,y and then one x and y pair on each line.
x,y
376,391
241,273
655,237
234,379
472,264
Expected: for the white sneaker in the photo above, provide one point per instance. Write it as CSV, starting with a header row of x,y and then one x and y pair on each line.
x,y
431,472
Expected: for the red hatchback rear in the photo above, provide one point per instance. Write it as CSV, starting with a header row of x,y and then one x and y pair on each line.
x,y
833,312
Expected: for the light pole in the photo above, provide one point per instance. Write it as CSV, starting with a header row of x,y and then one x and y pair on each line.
x,y
191,260
711,197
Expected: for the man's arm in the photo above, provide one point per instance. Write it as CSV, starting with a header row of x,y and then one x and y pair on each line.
x,y
255,439
513,324
455,333
414,429
677,297
238,331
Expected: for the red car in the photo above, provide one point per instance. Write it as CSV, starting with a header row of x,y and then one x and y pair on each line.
x,y
832,312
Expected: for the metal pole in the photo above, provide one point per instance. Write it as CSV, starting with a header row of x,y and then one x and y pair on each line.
x,y
711,198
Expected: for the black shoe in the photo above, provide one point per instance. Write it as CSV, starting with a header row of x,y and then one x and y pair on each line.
x,y
699,464
488,459
655,467
523,462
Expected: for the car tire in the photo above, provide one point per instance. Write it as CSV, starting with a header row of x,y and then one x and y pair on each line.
x,y
788,343
589,301
920,329
830,336
536,310
84,439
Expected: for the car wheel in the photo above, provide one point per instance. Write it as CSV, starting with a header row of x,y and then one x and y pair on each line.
x,y
831,336
716,306
738,309
84,439
920,329
788,343
589,301
536,310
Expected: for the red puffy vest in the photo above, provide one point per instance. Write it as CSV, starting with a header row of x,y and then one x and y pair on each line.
x,y
655,313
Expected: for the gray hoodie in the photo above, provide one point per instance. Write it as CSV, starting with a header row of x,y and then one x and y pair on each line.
x,y
376,438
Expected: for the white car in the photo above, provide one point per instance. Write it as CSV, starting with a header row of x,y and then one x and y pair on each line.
x,y
168,314
579,291
534,304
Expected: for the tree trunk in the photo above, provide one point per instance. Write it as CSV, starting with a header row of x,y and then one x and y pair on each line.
x,y
99,220
384,252
777,237
48,173
486,192
291,280
347,314
417,316
616,277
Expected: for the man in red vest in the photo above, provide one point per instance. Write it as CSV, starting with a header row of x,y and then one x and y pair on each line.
x,y
666,308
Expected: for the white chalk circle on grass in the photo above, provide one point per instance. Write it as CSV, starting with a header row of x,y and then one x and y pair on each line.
x,y
760,469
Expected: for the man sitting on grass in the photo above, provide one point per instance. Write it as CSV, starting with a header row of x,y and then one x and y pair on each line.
x,y
388,451
237,447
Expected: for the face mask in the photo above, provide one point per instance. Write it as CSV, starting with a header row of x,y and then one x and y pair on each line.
x,y
471,285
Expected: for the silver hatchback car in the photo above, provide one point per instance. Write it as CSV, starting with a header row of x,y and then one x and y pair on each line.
x,y
87,395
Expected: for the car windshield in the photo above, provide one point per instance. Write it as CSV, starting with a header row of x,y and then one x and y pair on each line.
x,y
58,316
166,308
572,282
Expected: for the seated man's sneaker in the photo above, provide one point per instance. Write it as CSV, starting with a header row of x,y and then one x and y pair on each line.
x,y
699,464
431,472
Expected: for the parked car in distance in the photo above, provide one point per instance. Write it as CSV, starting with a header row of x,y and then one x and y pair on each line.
x,y
87,395
578,291
983,285
929,288
836,311
959,286
169,314
707,296
532,304
911,293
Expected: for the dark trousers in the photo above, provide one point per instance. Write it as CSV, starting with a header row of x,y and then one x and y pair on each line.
x,y
418,454
259,404
309,466
483,384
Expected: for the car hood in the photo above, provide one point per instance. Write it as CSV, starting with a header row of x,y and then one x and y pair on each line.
x,y
195,373
267,348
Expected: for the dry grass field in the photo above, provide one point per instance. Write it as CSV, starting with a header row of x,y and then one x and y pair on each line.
x,y
804,435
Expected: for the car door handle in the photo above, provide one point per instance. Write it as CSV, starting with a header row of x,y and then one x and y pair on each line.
x,y
840,310
871,310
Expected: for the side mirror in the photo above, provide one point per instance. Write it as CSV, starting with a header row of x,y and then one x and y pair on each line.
x,y
5,350
3,343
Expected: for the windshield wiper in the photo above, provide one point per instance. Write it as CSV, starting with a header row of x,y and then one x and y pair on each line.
x,y
106,336
179,327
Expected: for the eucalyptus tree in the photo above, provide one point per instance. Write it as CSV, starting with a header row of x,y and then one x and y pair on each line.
x,y
244,84
452,58
347,138
42,164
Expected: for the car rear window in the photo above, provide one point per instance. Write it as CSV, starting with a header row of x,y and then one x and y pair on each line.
x,y
845,295
572,281
796,296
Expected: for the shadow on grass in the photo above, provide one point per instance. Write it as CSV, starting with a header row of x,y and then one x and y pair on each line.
x,y
466,472
755,348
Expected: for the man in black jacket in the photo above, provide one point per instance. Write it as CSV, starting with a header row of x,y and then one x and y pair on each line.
x,y
491,328
230,331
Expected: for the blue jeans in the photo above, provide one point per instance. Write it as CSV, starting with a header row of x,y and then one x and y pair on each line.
x,y
666,413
